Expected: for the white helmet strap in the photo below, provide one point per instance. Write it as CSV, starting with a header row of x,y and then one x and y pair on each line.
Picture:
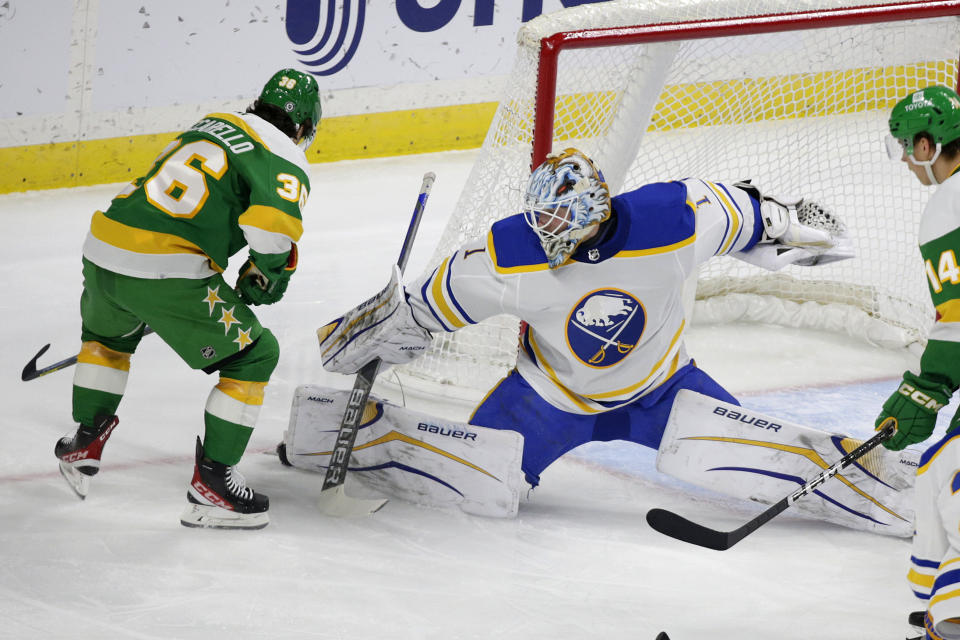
x,y
927,164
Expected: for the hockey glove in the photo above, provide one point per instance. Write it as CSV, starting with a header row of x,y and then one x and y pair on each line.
x,y
796,231
914,405
264,276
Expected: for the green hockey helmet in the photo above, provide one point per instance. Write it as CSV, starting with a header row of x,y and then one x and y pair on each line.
x,y
934,110
298,95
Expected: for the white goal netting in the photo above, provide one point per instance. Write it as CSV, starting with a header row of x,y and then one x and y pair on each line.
x,y
797,111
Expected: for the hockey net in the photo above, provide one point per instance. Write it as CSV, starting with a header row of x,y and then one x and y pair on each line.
x,y
794,96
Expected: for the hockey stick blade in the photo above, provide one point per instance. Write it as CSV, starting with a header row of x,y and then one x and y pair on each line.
x,y
30,371
333,499
679,528
335,502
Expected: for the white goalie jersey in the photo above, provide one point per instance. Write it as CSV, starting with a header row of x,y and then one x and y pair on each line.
x,y
605,328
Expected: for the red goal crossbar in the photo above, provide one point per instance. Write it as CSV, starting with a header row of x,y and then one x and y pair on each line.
x,y
552,45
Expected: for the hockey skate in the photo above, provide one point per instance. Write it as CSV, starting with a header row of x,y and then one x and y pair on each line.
x,y
917,621
220,498
80,454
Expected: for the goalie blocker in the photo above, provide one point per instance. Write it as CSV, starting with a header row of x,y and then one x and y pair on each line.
x,y
382,327
409,455
748,455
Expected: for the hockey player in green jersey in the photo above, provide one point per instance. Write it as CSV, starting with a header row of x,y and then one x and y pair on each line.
x,y
156,258
925,133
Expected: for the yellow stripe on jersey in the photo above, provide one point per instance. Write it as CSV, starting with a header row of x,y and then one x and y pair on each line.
x,y
636,253
551,374
656,368
487,395
523,268
919,579
940,597
273,220
577,399
242,390
438,292
731,209
128,238
239,122
943,445
95,353
949,311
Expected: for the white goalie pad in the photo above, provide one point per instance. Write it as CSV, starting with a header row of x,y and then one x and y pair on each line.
x,y
748,455
409,455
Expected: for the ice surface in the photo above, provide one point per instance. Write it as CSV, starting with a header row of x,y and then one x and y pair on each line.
x,y
578,562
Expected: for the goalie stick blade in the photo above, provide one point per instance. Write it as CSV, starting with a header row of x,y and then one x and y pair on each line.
x,y
335,502
679,528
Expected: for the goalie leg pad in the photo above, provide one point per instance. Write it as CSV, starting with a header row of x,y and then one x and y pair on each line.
x,y
410,455
748,455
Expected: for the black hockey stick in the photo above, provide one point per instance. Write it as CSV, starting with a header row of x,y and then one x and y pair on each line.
x,y
676,526
333,500
30,372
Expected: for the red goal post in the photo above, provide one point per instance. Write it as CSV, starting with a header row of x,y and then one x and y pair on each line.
x,y
551,46
794,95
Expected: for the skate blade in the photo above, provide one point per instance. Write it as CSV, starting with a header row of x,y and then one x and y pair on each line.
x,y
200,516
335,502
79,482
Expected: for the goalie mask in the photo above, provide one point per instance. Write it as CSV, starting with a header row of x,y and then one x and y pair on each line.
x,y
566,197
298,95
934,111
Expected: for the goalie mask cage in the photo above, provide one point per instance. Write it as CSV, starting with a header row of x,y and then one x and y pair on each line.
x,y
794,96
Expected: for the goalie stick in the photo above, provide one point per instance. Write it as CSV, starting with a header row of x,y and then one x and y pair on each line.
x,y
30,371
333,500
678,527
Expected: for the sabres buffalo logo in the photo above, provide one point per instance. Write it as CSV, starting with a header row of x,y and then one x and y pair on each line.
x,y
605,326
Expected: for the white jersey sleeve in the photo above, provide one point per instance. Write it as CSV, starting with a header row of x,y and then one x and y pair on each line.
x,y
463,289
728,219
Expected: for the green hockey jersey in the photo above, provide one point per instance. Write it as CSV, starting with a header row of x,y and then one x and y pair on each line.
x,y
231,180
939,244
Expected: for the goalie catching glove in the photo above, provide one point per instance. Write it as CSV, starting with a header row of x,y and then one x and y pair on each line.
x,y
264,277
382,327
796,231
